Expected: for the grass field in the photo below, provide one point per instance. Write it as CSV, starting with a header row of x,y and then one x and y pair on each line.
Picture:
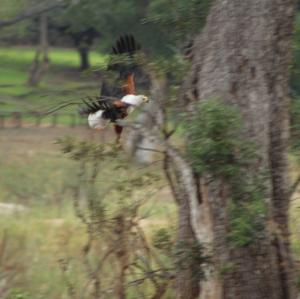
x,y
37,175
59,57
62,82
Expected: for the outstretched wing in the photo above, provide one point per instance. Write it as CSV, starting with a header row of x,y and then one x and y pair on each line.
x,y
123,63
113,108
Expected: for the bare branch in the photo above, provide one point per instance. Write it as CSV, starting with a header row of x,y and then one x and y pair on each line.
x,y
150,150
294,187
64,264
185,171
168,174
79,213
32,13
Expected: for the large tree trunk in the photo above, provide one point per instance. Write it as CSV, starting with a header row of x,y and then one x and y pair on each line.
x,y
242,57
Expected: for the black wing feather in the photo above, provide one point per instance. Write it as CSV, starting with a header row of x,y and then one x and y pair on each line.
x,y
92,105
110,111
125,45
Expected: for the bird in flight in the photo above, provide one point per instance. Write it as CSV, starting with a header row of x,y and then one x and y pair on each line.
x,y
117,100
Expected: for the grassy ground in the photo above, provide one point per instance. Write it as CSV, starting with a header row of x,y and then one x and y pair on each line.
x,y
36,174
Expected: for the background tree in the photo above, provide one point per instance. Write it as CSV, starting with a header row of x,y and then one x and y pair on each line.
x,y
80,22
26,9
41,60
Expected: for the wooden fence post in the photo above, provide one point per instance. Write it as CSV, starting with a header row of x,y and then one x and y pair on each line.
x,y
38,120
35,119
54,120
73,120
2,120
17,118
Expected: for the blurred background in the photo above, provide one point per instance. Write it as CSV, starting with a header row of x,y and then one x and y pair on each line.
x,y
52,52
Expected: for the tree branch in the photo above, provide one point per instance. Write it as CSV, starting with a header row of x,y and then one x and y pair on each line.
x,y
168,174
294,187
185,171
32,13
150,150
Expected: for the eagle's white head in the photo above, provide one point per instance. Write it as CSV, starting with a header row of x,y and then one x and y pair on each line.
x,y
135,100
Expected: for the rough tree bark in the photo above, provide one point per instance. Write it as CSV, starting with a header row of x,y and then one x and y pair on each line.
x,y
243,57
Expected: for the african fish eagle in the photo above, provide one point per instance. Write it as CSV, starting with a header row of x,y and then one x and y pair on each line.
x,y
119,100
